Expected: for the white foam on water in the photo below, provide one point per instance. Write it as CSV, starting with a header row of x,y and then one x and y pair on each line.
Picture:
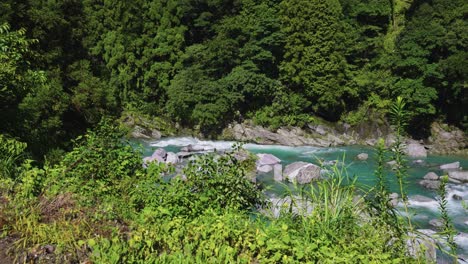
x,y
430,204
251,146
185,141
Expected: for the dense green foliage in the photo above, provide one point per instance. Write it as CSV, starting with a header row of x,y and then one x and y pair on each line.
x,y
204,64
99,204
64,65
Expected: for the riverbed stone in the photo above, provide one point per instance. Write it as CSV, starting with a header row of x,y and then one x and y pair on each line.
x,y
393,199
172,158
197,148
264,168
431,176
436,223
160,152
154,158
416,150
362,156
450,166
302,172
461,176
422,246
421,199
267,159
429,184
278,172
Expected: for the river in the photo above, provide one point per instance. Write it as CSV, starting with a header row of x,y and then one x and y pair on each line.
x,y
422,211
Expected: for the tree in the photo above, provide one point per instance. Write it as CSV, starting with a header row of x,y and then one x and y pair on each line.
x,y
314,63
31,106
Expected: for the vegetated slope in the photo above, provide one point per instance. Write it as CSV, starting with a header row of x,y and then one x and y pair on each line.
x,y
99,205
204,64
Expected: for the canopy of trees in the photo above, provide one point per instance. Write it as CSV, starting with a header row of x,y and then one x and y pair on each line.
x,y
205,63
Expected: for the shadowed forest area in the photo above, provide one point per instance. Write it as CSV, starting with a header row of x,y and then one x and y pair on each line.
x,y
207,63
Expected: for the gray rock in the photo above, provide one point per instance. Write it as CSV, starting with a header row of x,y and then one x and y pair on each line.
x,y
184,154
421,199
416,150
241,155
393,199
267,159
371,142
422,246
462,259
362,156
461,176
436,223
264,168
197,148
429,184
454,181
172,158
155,134
140,132
319,129
447,139
330,162
461,239
392,164
284,136
160,152
450,166
431,176
145,133
148,160
302,172
278,172
418,162
457,197
390,140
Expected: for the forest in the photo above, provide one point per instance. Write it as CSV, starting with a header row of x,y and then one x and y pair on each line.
x,y
207,63
72,190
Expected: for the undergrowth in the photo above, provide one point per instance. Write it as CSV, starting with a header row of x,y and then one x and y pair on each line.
x,y
100,205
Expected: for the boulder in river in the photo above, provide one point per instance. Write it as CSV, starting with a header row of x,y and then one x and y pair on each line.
x,y
302,172
278,172
393,199
160,152
197,148
145,133
362,156
421,199
450,166
172,158
436,223
461,176
264,168
422,246
429,184
431,176
267,159
431,181
154,158
416,150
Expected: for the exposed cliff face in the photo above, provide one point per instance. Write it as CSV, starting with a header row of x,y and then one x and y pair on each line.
x,y
442,141
447,139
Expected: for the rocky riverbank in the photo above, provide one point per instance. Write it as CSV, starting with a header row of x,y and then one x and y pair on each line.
x,y
444,139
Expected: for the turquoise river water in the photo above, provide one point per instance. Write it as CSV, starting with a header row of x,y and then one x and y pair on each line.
x,y
422,211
